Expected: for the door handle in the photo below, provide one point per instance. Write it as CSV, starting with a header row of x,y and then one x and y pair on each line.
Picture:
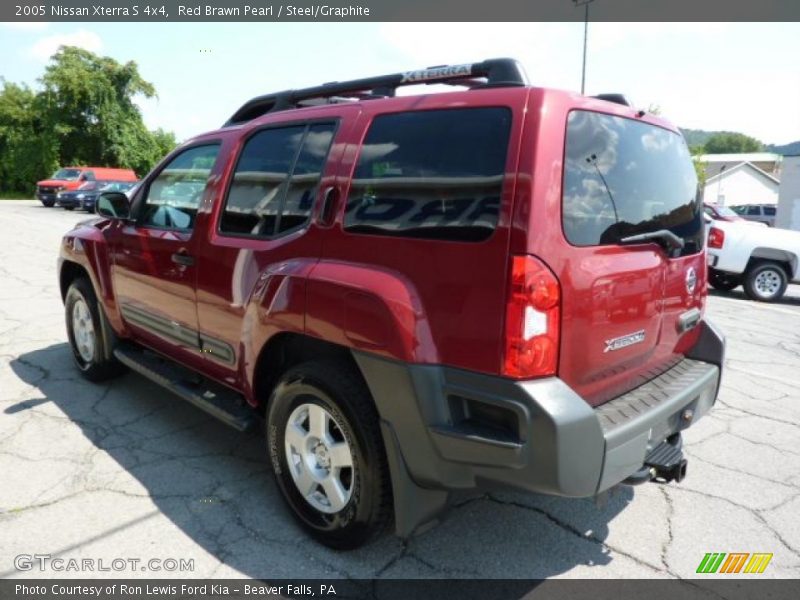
x,y
181,257
328,212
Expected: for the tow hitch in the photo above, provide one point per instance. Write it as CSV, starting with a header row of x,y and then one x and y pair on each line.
x,y
663,464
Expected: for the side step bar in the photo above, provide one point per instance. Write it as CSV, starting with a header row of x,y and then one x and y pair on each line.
x,y
217,400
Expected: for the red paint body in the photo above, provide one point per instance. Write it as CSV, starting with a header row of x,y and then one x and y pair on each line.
x,y
415,300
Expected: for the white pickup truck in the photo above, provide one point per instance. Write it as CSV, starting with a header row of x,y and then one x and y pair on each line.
x,y
761,259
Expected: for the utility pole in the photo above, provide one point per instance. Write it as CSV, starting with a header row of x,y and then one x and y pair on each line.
x,y
585,4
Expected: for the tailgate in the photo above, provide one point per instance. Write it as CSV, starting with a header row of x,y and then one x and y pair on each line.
x,y
629,310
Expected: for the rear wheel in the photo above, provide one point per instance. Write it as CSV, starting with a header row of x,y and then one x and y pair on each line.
x,y
84,330
327,454
765,282
49,203
723,281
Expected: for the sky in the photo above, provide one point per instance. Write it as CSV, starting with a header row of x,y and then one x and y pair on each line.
x,y
715,76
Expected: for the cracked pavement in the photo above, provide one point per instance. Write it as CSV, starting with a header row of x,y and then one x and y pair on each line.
x,y
127,470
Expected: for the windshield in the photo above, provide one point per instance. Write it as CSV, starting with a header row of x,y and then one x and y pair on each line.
x,y
724,211
624,177
66,174
117,186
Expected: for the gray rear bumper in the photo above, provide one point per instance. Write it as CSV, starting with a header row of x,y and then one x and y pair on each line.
x,y
447,429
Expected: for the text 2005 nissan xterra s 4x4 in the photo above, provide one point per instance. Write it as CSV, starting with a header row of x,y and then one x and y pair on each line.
x,y
499,286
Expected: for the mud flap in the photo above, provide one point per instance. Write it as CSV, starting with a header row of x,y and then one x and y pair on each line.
x,y
416,509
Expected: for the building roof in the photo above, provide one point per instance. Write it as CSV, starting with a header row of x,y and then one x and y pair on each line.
x,y
743,165
740,157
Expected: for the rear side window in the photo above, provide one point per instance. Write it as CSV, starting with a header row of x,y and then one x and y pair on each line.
x,y
431,174
275,181
754,210
769,211
624,177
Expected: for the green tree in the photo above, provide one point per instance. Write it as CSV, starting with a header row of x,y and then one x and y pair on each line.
x,y
26,148
84,114
731,143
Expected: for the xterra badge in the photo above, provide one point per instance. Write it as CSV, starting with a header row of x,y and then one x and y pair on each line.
x,y
625,341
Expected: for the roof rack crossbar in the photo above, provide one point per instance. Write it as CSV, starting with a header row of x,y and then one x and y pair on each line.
x,y
495,72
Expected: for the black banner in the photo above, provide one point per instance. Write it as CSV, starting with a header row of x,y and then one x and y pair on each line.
x,y
733,588
397,10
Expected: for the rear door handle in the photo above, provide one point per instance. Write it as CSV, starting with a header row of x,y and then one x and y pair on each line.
x,y
329,201
182,258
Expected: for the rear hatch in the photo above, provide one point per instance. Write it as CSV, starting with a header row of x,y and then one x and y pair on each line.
x,y
630,304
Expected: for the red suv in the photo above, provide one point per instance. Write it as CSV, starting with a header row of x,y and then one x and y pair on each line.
x,y
501,286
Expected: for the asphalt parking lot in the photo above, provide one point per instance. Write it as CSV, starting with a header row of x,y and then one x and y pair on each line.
x,y
125,470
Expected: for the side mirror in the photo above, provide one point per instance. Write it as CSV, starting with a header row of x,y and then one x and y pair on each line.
x,y
114,205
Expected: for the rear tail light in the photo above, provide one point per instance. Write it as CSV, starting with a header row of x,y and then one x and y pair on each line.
x,y
532,320
716,238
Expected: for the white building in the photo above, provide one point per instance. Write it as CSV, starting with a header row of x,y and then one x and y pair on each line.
x,y
733,179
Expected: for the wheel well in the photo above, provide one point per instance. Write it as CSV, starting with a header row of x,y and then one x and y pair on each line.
x,y
286,350
786,260
70,271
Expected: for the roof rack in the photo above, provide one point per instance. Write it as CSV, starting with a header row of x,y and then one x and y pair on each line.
x,y
497,72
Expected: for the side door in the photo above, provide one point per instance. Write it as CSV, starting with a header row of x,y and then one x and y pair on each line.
x,y
262,240
154,272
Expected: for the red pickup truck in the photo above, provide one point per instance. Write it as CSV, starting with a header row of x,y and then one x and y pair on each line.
x,y
499,286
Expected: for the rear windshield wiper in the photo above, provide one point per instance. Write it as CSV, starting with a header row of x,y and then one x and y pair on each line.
x,y
671,242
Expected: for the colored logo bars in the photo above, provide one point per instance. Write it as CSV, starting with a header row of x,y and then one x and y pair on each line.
x,y
734,562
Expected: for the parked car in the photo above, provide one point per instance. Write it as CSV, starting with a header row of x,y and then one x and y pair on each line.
x,y
760,213
420,294
763,261
84,197
724,213
72,178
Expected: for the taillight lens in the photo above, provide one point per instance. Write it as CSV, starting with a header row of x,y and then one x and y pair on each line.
x,y
532,320
716,238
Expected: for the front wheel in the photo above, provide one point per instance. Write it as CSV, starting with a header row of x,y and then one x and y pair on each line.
x,y
84,330
48,203
766,282
722,281
327,454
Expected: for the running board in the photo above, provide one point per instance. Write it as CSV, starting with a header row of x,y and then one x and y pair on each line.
x,y
217,400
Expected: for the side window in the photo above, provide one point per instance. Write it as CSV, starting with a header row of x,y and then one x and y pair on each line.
x,y
434,174
172,199
754,210
88,176
769,211
275,180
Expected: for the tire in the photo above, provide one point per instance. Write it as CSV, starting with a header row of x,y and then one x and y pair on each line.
x,y
723,281
69,208
360,507
765,282
84,331
49,203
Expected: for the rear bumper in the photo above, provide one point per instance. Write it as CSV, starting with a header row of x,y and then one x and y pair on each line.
x,y
449,429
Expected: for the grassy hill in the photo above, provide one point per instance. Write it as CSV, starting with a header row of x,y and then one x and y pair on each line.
x,y
698,137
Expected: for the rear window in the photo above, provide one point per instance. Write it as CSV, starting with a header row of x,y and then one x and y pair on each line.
x,y
434,174
623,177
